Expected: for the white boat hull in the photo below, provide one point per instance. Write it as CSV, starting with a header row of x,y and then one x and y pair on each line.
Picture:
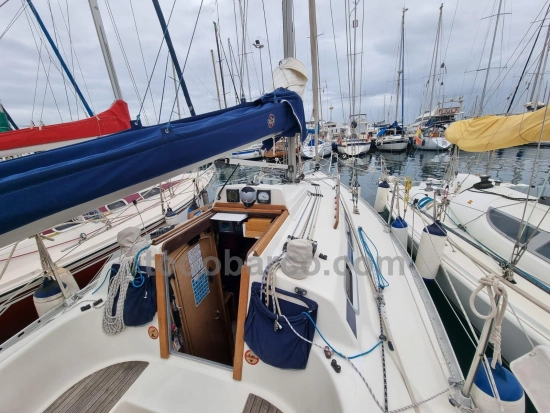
x,y
349,317
433,144
353,148
392,145
253,152
464,275
325,149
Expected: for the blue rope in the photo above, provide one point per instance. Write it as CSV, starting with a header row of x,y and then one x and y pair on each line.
x,y
102,282
141,276
382,282
333,349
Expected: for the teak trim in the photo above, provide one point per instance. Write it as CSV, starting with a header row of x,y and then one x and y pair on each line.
x,y
161,306
260,245
237,206
241,317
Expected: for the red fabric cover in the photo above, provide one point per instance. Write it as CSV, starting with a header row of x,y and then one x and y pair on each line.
x,y
114,119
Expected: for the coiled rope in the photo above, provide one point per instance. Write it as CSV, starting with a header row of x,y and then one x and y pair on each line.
x,y
113,324
494,290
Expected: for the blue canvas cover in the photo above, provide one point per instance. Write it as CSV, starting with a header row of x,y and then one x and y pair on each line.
x,y
47,188
280,348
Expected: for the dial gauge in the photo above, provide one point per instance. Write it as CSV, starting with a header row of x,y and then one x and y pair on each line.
x,y
264,196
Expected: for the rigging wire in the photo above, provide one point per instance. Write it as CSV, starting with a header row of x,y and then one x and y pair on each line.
x,y
136,90
142,102
14,19
57,42
143,59
185,62
528,60
36,82
164,87
48,83
268,43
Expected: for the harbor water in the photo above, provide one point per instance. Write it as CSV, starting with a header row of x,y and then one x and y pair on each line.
x,y
520,165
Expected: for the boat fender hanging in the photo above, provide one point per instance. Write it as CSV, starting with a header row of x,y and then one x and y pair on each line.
x,y
430,250
171,217
48,296
401,231
381,196
510,391
298,258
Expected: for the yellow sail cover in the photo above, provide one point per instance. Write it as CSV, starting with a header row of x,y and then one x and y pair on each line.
x,y
487,133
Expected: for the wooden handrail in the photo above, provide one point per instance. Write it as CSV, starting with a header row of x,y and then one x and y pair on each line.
x,y
241,317
160,280
260,245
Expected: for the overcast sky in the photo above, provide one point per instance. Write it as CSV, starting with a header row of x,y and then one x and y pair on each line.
x,y
464,50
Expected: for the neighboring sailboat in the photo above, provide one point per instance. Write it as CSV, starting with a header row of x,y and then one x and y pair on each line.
x,y
43,138
487,133
255,151
4,121
83,244
393,138
324,145
432,124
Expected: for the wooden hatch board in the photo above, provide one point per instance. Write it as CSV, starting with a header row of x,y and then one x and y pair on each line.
x,y
99,391
255,404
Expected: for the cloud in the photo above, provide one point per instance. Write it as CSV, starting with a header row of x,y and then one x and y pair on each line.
x,y
24,79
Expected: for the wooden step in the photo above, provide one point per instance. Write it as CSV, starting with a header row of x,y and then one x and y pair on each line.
x,y
100,391
255,404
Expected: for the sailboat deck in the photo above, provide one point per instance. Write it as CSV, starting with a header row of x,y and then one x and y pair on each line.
x,y
99,391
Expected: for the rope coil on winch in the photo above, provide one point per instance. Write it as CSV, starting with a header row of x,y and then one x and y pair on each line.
x,y
494,290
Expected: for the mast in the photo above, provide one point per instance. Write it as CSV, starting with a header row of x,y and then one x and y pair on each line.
x,y
220,62
288,46
63,64
490,58
232,70
436,50
314,72
288,29
216,78
172,52
403,70
535,92
98,23
400,64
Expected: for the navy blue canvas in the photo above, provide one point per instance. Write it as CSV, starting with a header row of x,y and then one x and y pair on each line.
x,y
281,348
39,185
140,304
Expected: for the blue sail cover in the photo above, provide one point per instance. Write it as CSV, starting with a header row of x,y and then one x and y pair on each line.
x,y
44,189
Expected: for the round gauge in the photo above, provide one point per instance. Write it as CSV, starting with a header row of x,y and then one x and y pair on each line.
x,y
264,196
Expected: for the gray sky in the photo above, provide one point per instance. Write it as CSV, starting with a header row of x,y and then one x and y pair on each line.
x,y
465,50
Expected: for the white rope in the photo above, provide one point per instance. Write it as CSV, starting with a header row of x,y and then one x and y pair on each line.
x,y
494,289
113,324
